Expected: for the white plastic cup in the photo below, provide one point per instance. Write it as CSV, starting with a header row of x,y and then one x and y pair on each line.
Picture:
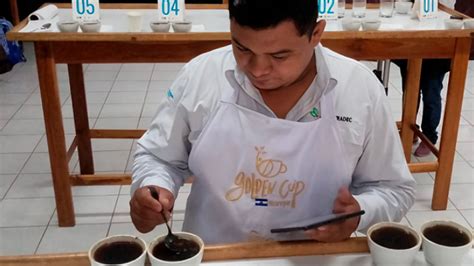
x,y
341,8
386,8
134,21
139,261
440,255
383,256
359,8
193,261
403,7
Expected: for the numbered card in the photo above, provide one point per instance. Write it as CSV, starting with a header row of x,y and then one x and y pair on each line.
x,y
327,9
85,10
428,9
171,10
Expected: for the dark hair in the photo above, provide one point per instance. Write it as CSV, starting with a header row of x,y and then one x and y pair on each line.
x,y
262,14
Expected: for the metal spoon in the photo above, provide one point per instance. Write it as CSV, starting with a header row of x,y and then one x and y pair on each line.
x,y
172,242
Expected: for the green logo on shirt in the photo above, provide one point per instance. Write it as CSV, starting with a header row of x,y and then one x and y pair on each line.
x,y
314,112
169,93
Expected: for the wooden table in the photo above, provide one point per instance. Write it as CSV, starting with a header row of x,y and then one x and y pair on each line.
x,y
71,48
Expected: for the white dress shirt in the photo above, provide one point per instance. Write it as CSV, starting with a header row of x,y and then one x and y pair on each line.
x,y
381,181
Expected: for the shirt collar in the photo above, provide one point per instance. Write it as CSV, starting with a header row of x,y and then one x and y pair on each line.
x,y
324,78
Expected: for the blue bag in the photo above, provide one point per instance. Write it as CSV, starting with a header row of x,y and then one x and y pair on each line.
x,y
12,50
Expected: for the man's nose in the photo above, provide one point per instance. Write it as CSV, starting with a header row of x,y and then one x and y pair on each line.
x,y
259,66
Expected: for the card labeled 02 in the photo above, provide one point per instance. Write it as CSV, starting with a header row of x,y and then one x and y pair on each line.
x,y
327,9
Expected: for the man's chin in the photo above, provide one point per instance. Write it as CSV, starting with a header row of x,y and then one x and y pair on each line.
x,y
264,85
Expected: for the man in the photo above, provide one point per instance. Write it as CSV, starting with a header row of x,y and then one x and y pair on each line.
x,y
276,129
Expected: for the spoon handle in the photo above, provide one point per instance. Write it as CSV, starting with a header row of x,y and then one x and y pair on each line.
x,y
155,195
153,192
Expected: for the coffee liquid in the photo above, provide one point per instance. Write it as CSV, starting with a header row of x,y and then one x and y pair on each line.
x,y
188,249
118,252
394,238
446,235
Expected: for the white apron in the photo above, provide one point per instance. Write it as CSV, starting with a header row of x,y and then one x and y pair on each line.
x,y
254,173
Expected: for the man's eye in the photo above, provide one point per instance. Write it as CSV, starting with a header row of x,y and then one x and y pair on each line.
x,y
279,57
242,49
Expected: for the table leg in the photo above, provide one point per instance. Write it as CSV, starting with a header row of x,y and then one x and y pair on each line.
x,y
452,115
81,120
14,12
55,132
410,102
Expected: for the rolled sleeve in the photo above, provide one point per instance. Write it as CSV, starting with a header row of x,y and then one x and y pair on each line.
x,y
162,154
382,183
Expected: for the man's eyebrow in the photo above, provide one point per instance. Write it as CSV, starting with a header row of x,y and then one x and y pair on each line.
x,y
239,44
283,51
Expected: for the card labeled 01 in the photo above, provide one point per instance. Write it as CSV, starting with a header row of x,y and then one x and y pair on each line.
x,y
428,9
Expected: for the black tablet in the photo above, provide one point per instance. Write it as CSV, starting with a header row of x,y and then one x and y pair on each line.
x,y
317,222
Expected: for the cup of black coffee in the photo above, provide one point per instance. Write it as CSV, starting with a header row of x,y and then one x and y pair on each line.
x,y
393,243
160,255
118,250
445,242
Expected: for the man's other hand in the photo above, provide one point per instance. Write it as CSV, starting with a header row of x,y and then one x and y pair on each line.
x,y
342,230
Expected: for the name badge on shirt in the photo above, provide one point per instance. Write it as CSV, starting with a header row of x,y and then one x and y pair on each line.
x,y
428,9
327,9
85,10
171,10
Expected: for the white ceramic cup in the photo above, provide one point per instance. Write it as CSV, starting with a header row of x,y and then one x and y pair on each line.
x,y
134,21
350,24
182,26
383,256
469,23
90,26
139,261
371,24
193,261
453,24
437,254
68,25
160,26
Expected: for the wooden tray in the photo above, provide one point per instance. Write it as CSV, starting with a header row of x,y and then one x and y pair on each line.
x,y
215,252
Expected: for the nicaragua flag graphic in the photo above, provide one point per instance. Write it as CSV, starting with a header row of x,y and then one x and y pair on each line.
x,y
261,202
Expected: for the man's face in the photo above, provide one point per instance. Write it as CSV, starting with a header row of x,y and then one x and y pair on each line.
x,y
275,57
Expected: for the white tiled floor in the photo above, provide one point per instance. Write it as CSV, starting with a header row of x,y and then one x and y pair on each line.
x,y
126,96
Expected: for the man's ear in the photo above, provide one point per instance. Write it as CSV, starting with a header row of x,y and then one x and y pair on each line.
x,y
318,32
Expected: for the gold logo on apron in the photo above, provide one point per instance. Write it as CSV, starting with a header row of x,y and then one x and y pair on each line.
x,y
260,188
267,167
